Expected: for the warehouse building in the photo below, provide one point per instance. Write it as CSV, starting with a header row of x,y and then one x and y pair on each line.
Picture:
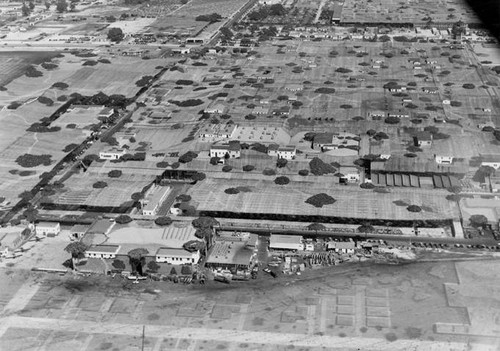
x,y
286,242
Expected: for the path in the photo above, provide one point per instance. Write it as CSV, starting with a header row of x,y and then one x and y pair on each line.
x,y
320,9
227,335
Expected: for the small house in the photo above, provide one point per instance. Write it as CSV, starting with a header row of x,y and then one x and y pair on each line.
x,y
286,152
346,247
102,251
491,161
423,138
48,228
176,256
112,154
447,160
232,150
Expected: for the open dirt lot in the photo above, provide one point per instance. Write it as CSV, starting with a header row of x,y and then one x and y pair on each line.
x,y
373,307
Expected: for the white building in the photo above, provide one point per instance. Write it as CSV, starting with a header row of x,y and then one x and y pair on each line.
x,y
153,200
177,256
221,150
286,152
111,154
102,251
286,242
46,228
218,131
491,161
350,174
447,160
341,246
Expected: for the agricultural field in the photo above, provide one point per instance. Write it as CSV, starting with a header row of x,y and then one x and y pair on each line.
x,y
265,197
13,65
392,11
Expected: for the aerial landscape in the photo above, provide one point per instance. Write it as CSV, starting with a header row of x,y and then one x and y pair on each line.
x,y
249,175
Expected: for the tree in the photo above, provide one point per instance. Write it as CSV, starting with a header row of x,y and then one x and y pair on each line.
x,y
281,162
282,180
214,160
478,220
31,5
153,266
137,257
77,250
318,167
320,200
163,221
115,34
316,226
116,173
72,6
366,228
25,10
47,5
123,219
118,264
194,245
61,6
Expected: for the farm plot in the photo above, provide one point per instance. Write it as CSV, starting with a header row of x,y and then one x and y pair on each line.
x,y
116,78
78,190
271,199
13,64
394,11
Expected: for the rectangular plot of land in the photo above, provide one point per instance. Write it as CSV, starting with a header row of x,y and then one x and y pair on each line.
x,y
345,300
377,302
362,281
378,312
345,309
243,299
291,317
373,292
327,291
223,312
383,322
345,320
123,306
56,302
312,301
91,304
18,339
190,312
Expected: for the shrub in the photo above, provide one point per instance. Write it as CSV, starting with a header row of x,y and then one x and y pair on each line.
x,y
123,219
184,82
175,165
187,103
118,264
367,186
478,220
99,185
116,173
153,267
188,157
343,70
281,162
414,208
282,180
304,172
468,86
89,63
14,105
145,80
392,120
325,90
269,172
60,85
45,100
318,167
30,160
198,176
214,161
320,200
32,72
248,168
227,168
232,191
163,221
162,164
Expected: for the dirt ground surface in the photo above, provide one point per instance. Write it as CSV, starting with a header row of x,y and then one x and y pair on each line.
x,y
415,306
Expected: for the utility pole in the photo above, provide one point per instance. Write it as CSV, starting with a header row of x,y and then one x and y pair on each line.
x,y
143,333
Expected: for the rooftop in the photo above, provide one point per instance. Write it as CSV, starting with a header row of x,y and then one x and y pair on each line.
x,y
173,236
47,224
104,249
230,252
285,239
101,226
173,252
156,197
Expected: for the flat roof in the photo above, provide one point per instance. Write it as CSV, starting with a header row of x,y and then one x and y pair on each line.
x,y
173,252
172,236
285,239
156,198
230,252
104,248
47,224
79,228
